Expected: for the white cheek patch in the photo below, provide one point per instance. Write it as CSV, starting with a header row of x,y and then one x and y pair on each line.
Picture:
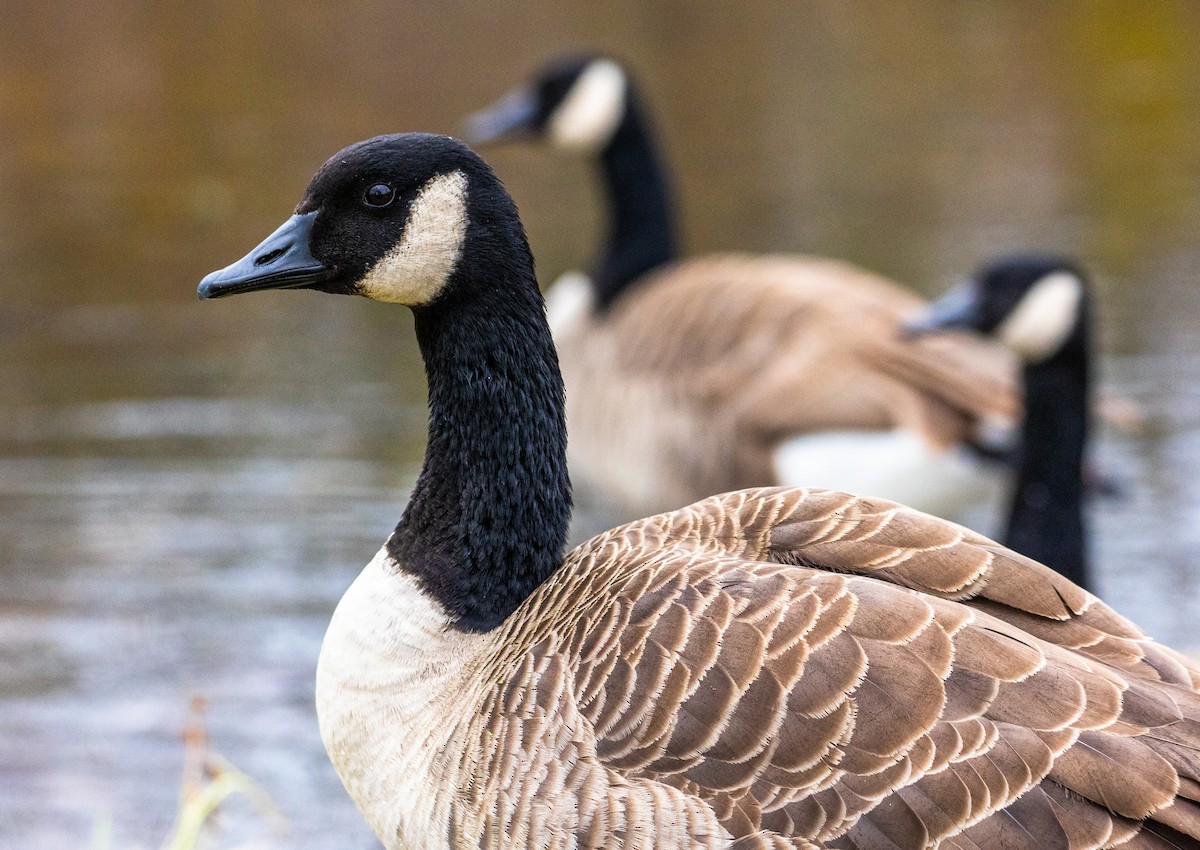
x,y
589,114
1044,318
416,270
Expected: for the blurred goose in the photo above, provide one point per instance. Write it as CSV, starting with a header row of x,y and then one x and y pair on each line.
x,y
688,377
1040,307
773,668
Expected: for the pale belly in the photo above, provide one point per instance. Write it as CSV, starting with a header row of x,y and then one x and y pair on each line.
x,y
898,465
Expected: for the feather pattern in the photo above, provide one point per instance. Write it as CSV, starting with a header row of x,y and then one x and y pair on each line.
x,y
803,668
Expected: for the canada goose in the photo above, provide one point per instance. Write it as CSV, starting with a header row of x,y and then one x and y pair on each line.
x,y
773,668
1040,307
690,377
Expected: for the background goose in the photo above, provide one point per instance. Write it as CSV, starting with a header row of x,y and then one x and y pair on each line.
x,y
1040,307
764,669
689,377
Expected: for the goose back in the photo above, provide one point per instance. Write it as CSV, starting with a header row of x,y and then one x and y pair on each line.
x,y
791,668
692,382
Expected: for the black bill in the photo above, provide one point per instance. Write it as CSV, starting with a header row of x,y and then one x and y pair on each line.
x,y
958,309
510,117
282,261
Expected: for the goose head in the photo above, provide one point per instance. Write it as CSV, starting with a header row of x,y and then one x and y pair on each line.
x,y
1036,306
575,104
420,220
391,218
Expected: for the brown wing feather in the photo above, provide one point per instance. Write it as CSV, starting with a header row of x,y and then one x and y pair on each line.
x,y
759,349
744,330
804,668
728,309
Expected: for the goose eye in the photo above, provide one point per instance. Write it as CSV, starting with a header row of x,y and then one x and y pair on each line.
x,y
379,195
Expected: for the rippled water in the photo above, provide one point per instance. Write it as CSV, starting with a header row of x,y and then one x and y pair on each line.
x,y
186,489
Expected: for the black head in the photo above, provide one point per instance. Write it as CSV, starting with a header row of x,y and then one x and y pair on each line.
x,y
575,103
1035,305
391,218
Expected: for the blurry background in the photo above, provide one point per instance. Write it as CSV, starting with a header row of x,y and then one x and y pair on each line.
x,y
186,489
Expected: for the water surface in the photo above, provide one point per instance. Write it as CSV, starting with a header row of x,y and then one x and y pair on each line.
x,y
186,489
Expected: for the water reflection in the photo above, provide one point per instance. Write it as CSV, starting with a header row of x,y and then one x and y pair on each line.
x,y
186,489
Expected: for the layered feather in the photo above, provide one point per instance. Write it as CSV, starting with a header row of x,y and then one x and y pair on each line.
x,y
791,668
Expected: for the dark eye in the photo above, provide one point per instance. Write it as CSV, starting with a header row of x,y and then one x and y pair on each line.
x,y
379,195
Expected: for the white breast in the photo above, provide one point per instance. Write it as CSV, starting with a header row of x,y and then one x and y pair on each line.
x,y
391,682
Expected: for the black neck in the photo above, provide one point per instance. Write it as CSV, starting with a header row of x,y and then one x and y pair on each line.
x,y
487,520
640,224
1046,520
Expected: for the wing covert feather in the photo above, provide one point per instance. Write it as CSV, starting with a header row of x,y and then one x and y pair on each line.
x,y
807,668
